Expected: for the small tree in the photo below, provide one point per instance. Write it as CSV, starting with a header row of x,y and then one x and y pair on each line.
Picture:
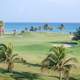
x,y
6,55
26,29
10,58
58,62
50,28
61,27
45,27
32,28
39,28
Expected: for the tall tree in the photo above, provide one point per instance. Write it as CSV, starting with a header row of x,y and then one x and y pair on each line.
x,y
1,28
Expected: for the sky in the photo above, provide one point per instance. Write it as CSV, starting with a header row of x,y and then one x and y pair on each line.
x,y
40,10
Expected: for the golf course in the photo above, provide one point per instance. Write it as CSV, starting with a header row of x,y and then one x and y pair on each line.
x,y
34,47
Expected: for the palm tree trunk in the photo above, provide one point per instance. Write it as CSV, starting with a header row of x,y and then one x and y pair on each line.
x,y
0,31
60,75
10,66
66,77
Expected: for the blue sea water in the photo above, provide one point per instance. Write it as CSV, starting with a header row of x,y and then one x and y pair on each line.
x,y
69,27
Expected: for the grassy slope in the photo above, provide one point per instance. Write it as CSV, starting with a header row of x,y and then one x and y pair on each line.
x,y
35,42
34,47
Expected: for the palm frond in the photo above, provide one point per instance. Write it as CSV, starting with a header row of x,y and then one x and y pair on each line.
x,y
55,50
71,59
54,60
69,66
13,56
3,46
17,60
9,51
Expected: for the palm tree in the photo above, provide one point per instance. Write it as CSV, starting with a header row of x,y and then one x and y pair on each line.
x,y
7,56
61,27
50,28
57,62
46,63
39,28
45,27
10,58
32,28
3,49
26,29
67,65
1,27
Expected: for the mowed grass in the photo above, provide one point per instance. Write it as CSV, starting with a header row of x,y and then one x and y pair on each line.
x,y
33,42
34,47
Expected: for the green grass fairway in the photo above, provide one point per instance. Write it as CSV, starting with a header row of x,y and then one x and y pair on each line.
x,y
33,42
34,47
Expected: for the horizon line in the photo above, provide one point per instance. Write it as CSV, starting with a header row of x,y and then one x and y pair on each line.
x,y
36,22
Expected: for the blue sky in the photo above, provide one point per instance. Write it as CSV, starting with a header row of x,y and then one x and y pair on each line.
x,y
40,10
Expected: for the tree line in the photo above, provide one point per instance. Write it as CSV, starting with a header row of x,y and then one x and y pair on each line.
x,y
45,27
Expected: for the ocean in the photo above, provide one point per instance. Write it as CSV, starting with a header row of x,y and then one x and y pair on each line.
x,y
68,27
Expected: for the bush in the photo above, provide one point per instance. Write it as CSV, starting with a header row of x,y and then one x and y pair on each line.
x,y
76,34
